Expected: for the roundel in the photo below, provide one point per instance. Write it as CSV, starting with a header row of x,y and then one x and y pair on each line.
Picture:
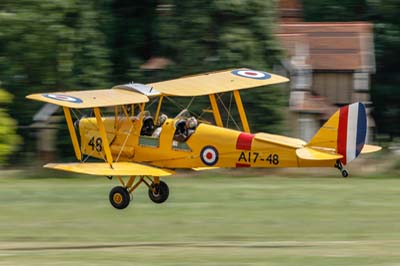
x,y
209,155
253,74
64,98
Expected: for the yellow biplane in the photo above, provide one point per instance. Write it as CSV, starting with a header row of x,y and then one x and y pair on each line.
x,y
134,144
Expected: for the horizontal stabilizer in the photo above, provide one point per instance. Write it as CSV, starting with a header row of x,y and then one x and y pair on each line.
x,y
316,155
370,148
104,169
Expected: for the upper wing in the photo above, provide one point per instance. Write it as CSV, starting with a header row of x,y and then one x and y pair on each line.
x,y
119,169
216,82
91,98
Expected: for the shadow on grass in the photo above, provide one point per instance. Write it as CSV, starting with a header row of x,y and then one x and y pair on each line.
x,y
41,173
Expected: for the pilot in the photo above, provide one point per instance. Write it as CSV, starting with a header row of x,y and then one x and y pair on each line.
x,y
185,128
161,120
180,131
148,126
191,124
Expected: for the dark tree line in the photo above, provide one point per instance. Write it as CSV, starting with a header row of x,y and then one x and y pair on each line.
x,y
52,45
55,45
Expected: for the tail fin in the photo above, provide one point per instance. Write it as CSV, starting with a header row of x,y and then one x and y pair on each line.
x,y
344,133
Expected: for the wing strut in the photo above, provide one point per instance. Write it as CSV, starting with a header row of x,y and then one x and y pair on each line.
x,y
103,135
158,109
72,133
242,113
217,115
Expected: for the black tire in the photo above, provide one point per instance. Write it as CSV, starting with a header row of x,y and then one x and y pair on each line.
x,y
345,173
119,197
160,194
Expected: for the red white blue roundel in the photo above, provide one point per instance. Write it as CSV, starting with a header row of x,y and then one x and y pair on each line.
x,y
253,74
64,98
209,155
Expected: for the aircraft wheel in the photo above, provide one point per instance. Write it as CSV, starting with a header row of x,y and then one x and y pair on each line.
x,y
345,173
160,193
119,197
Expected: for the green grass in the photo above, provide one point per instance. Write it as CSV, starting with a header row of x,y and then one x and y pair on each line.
x,y
207,220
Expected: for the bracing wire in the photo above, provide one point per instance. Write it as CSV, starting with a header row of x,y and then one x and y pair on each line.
x,y
182,106
125,141
228,112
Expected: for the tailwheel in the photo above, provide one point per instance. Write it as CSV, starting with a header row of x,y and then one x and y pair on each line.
x,y
158,192
343,171
119,197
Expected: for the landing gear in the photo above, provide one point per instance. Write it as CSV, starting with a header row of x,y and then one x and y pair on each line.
x,y
343,171
120,196
159,193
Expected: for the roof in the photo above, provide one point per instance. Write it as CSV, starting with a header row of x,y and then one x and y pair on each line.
x,y
332,46
45,112
290,10
305,102
156,63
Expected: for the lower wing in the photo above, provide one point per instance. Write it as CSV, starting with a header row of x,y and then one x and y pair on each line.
x,y
104,169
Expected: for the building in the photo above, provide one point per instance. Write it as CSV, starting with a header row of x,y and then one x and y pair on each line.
x,y
330,65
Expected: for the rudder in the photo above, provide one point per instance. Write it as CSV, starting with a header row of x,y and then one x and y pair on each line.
x,y
352,131
344,132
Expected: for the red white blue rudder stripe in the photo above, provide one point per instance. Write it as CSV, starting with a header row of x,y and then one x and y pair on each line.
x,y
352,131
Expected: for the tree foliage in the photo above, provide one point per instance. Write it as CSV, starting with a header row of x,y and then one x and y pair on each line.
x,y
9,140
55,45
48,46
209,35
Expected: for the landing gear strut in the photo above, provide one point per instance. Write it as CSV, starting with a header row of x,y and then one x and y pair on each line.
x,y
120,196
343,171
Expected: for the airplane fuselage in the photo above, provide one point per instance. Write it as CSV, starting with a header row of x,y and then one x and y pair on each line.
x,y
208,146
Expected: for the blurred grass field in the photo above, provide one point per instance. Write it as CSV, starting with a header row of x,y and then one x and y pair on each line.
x,y
209,219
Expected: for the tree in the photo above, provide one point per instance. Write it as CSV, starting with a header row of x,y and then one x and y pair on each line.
x,y
55,45
49,46
9,140
210,35
130,35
